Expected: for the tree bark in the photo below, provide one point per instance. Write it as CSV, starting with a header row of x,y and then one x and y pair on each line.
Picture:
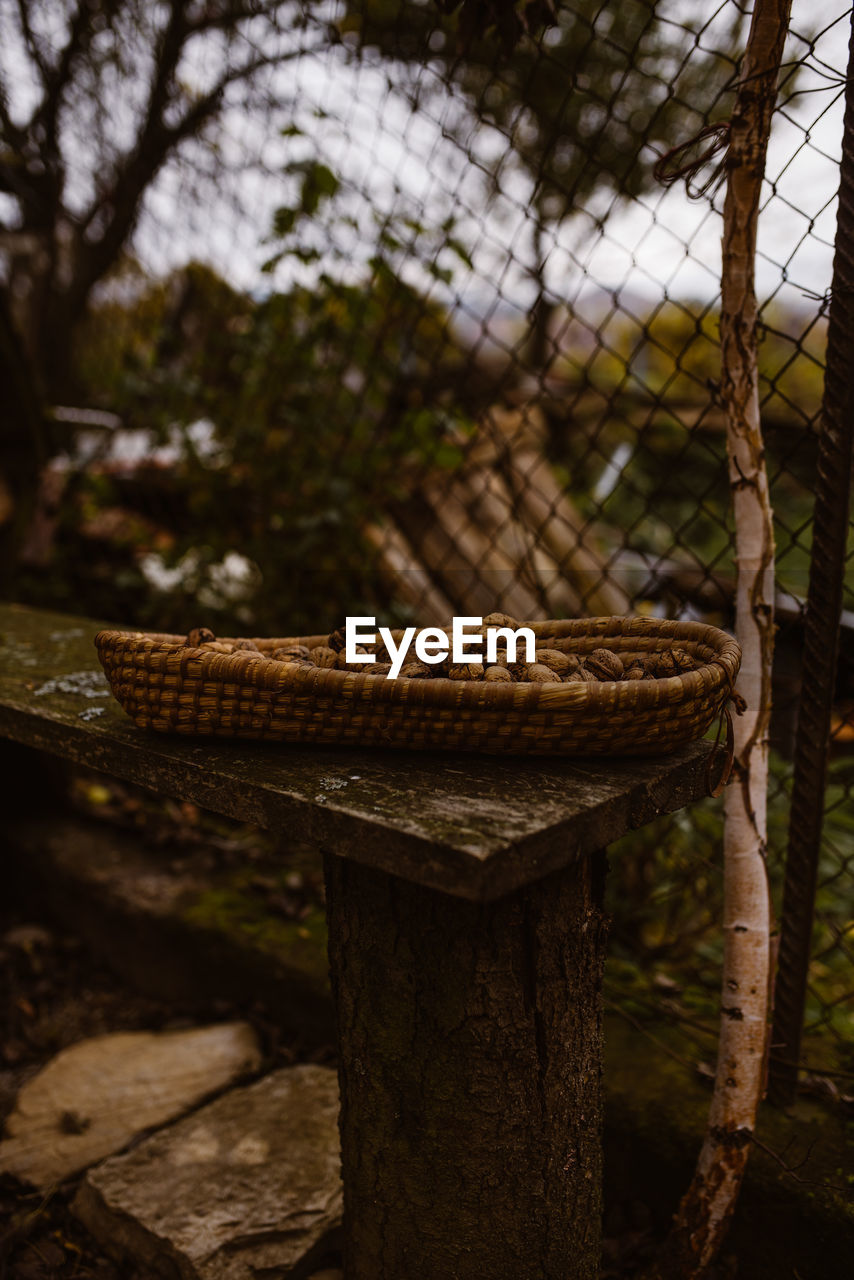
x,y
470,1041
22,447
706,1209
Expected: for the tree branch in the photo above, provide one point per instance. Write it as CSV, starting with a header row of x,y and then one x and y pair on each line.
x,y
10,131
156,143
703,1217
56,78
231,15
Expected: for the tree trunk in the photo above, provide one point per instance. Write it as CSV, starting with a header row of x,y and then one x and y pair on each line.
x,y
707,1208
470,1041
22,445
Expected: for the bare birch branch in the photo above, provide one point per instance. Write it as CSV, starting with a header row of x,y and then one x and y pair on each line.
x,y
705,1212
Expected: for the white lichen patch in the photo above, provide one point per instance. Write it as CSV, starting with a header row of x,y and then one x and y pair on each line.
x,y
60,637
85,684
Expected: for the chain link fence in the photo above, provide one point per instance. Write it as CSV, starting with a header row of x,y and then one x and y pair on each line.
x,y
418,318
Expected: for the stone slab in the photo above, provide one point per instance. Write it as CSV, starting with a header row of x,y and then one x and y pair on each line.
x,y
248,1186
473,826
95,1096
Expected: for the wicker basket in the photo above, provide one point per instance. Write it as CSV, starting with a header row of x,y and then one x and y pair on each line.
x,y
164,684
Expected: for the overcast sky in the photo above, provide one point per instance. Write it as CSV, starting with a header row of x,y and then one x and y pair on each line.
x,y
392,158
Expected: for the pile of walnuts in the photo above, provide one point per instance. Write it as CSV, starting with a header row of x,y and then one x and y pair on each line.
x,y
552,666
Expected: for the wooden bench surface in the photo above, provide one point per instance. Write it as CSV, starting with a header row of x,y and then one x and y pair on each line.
x,y
473,826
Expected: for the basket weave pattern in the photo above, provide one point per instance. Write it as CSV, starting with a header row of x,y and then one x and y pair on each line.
x,y
165,685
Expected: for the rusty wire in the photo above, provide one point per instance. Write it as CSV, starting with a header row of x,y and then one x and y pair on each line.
x,y
666,172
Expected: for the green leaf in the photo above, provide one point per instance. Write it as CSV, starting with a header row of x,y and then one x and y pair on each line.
x,y
319,183
444,274
284,221
457,247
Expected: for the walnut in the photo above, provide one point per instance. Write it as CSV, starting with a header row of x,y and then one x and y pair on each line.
x,y
322,656
466,671
291,653
338,640
580,676
648,665
502,657
378,668
500,620
604,664
286,655
416,671
635,673
361,663
497,675
672,662
249,645
537,673
557,661
199,636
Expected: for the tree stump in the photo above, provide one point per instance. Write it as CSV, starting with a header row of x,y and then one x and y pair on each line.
x,y
470,1062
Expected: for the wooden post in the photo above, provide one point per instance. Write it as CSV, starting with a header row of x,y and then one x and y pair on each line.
x,y
470,1063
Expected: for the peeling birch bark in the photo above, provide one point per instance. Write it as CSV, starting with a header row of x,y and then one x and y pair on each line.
x,y
703,1217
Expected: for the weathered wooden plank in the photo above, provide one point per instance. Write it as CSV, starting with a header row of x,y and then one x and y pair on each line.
x,y
476,827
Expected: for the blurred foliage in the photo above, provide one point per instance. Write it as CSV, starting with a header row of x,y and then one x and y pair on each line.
x,y
584,105
647,385
286,424
666,898
271,432
510,20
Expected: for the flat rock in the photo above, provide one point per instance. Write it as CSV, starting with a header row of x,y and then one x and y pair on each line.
x,y
95,1096
247,1186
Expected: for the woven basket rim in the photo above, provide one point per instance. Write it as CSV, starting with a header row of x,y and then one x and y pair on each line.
x,y
246,666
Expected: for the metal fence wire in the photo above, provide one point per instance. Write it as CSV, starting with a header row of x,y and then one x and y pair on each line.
x,y
380,307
